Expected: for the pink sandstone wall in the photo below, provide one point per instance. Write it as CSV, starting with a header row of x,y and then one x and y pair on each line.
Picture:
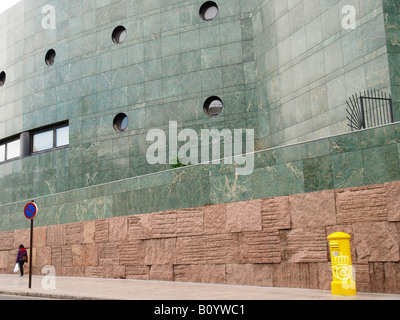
x,y
278,242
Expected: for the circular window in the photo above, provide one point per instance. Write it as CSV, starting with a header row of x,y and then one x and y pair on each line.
x,y
208,11
50,57
2,78
213,106
119,34
121,122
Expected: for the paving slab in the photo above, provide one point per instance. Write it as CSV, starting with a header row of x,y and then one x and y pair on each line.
x,y
122,289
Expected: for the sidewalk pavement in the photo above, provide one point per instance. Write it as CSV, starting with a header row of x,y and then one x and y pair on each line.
x,y
121,289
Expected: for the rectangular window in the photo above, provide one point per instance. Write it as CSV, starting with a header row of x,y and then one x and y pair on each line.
x,y
43,141
13,149
30,142
50,138
62,136
3,153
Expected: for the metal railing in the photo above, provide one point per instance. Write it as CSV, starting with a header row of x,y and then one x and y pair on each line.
x,y
371,109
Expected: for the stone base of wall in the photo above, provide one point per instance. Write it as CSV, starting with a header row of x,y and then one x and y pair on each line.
x,y
277,242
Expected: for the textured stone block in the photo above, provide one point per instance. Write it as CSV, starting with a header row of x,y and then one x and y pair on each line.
x,y
313,210
324,275
159,251
162,272
11,256
40,237
74,233
118,272
361,204
21,237
275,213
250,274
222,248
189,222
43,257
101,233
377,276
304,245
215,218
66,256
393,200
244,216
163,224
56,256
362,277
56,236
108,254
138,272
139,227
94,272
85,255
70,271
200,273
392,277
118,228
260,247
131,253
3,259
296,275
114,272
191,250
376,241
89,228
7,240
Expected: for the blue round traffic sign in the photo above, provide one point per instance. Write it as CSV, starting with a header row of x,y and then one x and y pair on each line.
x,y
30,210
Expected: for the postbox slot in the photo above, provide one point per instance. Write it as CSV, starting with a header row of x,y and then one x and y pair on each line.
x,y
334,244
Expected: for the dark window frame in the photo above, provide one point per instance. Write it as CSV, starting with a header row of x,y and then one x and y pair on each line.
x,y
53,128
5,142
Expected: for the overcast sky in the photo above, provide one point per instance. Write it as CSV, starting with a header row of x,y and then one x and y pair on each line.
x,y
5,4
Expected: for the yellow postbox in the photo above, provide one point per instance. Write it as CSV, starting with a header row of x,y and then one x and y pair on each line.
x,y
343,283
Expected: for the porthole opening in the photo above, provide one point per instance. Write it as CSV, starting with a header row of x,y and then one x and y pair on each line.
x,y
50,57
213,106
208,11
119,35
2,78
121,122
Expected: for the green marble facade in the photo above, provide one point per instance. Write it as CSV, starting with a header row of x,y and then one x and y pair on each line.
x,y
392,21
355,159
282,67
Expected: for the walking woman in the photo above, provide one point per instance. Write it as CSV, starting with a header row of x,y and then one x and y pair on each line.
x,y
22,258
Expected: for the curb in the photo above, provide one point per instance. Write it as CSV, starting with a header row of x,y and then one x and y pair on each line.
x,y
48,295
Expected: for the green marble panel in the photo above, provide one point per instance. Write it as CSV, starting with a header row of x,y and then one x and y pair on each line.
x,y
381,164
347,169
290,178
265,183
318,174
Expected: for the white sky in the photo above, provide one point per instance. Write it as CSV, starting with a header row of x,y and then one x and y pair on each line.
x,y
5,4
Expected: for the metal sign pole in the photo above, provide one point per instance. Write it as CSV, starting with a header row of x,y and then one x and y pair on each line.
x,y
30,213
30,257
